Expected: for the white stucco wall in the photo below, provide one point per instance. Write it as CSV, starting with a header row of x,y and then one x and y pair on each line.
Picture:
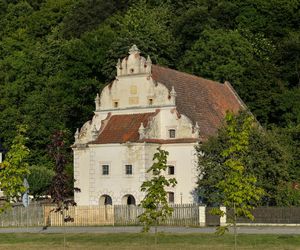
x,y
134,91
117,184
88,171
183,157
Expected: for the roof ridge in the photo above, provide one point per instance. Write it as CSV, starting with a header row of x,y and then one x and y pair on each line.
x,y
189,74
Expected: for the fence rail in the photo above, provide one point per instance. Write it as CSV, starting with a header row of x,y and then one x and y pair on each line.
x,y
19,216
273,215
183,215
82,215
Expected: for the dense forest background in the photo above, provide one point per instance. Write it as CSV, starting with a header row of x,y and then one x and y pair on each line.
x,y
56,55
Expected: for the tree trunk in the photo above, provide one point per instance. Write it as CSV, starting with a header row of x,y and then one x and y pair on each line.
x,y
234,227
155,233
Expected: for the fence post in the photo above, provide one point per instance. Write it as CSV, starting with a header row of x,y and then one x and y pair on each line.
x,y
223,218
202,222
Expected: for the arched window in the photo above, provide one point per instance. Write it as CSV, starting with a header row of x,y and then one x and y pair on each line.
x,y
128,200
105,200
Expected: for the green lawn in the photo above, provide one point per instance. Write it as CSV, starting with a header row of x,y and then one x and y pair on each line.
x,y
146,241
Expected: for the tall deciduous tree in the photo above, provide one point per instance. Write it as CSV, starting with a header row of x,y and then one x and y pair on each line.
x,y
60,189
266,158
14,169
238,188
155,202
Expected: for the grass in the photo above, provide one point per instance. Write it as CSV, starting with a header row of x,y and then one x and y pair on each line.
x,y
146,241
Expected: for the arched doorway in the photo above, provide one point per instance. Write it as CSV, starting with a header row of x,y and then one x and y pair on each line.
x,y
128,200
105,200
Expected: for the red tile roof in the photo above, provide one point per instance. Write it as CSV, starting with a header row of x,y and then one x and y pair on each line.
x,y
203,101
123,128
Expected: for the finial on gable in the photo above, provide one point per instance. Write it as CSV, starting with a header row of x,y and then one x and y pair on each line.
x,y
148,65
134,63
173,95
133,50
196,130
142,131
76,136
94,133
97,102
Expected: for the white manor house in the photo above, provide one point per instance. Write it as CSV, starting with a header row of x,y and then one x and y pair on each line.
x,y
145,107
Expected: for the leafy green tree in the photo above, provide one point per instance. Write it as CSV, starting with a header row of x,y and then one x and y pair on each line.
x,y
142,25
87,15
238,188
14,169
220,55
155,202
39,180
290,139
267,159
60,190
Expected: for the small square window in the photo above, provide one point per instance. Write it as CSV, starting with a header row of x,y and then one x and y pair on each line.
x,y
116,104
105,169
170,197
128,169
172,133
171,170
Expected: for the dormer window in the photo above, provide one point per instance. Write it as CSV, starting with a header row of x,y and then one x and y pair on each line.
x,y
172,133
150,101
116,104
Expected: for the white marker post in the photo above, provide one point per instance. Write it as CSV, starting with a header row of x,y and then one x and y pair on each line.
x,y
25,199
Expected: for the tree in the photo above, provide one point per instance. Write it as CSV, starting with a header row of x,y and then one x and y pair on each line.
x,y
142,25
238,188
39,180
14,169
266,158
60,190
155,201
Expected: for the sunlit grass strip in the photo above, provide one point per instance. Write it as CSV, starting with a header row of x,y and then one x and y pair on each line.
x,y
146,241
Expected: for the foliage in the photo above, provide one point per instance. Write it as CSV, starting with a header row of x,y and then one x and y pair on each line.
x,y
155,201
39,180
14,168
142,25
220,55
60,189
288,194
238,189
88,14
267,159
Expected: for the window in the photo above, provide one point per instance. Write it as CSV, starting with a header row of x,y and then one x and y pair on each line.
x,y
150,101
171,170
105,169
116,104
172,133
128,169
170,197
